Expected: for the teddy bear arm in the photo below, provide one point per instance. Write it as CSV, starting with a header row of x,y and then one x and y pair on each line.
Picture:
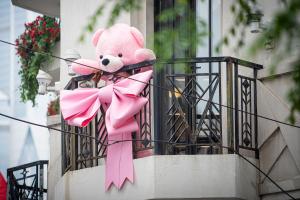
x,y
85,66
144,54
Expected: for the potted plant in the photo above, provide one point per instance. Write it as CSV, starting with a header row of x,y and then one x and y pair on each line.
x,y
40,36
53,107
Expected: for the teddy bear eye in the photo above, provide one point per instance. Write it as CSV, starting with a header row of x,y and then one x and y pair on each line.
x,y
120,55
100,56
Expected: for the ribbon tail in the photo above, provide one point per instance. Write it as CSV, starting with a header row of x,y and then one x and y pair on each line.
x,y
126,170
119,162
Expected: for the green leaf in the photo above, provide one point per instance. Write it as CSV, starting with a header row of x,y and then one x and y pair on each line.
x,y
32,61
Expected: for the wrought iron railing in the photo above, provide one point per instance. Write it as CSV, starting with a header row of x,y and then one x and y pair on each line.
x,y
28,181
211,106
207,102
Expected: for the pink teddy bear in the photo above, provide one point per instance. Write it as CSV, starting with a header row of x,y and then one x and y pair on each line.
x,y
116,47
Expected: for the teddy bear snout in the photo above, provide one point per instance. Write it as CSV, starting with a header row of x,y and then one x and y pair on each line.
x,y
110,63
105,61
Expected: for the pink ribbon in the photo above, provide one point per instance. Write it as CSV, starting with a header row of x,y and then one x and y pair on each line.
x,y
121,101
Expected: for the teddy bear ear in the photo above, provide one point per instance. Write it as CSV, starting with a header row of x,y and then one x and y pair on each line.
x,y
137,36
96,36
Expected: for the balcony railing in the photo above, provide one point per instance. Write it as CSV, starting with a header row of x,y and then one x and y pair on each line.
x,y
28,181
206,102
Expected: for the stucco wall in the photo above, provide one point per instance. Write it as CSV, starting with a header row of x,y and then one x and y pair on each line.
x,y
54,165
278,144
168,177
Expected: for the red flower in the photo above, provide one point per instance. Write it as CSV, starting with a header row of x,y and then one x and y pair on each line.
x,y
31,33
37,35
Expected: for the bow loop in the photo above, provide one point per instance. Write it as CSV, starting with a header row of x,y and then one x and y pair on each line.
x,y
123,107
134,84
79,106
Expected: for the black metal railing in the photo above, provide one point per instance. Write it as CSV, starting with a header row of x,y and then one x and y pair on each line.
x,y
211,106
28,181
210,102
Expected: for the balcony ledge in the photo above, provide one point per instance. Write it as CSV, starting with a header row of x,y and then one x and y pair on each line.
x,y
168,177
53,120
46,7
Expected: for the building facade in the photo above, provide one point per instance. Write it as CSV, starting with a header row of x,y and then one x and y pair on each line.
x,y
20,143
184,172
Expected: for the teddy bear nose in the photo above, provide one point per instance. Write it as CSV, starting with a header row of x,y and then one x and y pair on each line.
x,y
105,61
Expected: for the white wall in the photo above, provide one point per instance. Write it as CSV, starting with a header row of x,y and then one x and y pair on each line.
x,y
55,165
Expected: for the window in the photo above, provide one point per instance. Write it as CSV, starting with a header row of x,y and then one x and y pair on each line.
x,y
188,76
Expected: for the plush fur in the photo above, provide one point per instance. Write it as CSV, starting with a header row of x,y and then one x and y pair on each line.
x,y
116,46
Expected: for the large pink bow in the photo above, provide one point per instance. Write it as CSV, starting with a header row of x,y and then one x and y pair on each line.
x,y
121,101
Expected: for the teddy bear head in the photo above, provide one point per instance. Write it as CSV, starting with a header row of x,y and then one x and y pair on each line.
x,y
119,45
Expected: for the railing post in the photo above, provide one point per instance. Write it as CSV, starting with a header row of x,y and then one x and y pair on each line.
x,y
158,116
8,192
236,106
74,149
74,139
229,98
63,147
255,115
41,180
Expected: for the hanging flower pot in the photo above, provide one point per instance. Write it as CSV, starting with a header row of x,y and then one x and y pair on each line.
x,y
53,108
34,47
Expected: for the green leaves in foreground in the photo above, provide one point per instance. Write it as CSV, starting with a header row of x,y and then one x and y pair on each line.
x,y
118,7
283,30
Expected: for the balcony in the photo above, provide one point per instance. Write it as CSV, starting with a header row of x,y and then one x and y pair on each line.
x,y
28,181
203,106
196,114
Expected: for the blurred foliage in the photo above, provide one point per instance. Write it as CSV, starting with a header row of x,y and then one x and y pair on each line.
x,y
182,38
192,36
118,7
53,107
162,41
240,10
283,30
